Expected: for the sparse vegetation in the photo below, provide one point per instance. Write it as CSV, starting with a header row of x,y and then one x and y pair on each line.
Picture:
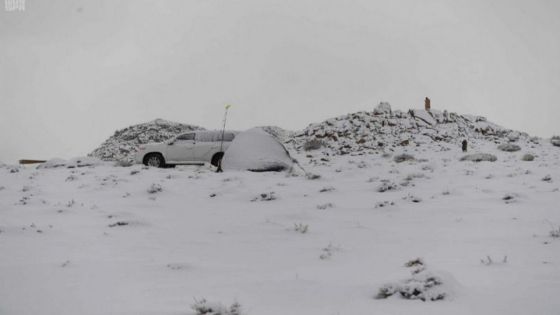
x,y
509,198
202,307
326,189
387,186
422,285
325,206
265,197
328,251
489,261
155,188
301,228
312,176
118,223
382,204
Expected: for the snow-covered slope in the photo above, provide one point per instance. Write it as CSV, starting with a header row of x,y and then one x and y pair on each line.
x,y
102,239
124,143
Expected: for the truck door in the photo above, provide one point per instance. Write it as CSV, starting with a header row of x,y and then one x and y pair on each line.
x,y
181,150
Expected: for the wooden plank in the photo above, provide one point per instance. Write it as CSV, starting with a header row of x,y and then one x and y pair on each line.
x,y
26,161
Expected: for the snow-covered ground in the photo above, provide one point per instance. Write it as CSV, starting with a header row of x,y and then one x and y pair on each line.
x,y
103,239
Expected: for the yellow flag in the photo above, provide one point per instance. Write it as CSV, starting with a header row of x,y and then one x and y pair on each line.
x,y
228,106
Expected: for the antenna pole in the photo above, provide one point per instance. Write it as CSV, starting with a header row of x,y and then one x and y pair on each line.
x,y
219,170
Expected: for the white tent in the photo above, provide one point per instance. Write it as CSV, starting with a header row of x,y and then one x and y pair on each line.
x,y
256,150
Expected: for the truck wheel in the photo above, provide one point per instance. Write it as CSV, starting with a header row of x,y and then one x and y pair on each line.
x,y
154,159
217,159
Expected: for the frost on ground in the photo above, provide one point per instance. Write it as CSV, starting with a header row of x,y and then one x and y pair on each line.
x,y
106,239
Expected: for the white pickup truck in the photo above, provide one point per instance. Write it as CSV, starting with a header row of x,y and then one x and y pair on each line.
x,y
197,147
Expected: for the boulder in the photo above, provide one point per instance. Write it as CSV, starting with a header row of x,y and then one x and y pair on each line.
x,y
479,157
508,147
382,108
403,157
528,157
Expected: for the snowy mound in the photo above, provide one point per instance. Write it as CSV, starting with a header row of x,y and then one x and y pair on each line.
x,y
124,143
384,129
256,150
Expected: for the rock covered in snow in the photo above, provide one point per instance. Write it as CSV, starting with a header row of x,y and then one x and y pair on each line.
x,y
509,147
124,143
480,157
382,108
256,150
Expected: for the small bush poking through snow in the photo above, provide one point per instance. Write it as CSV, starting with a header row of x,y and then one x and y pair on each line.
x,y
301,228
555,233
547,178
118,223
508,147
412,198
387,186
155,188
325,206
403,157
328,251
489,261
382,204
265,197
423,285
202,307
312,176
509,198
327,189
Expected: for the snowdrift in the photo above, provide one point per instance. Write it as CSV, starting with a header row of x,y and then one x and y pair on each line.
x,y
256,150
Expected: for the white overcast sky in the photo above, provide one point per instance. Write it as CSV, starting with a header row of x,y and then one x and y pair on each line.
x,y
72,72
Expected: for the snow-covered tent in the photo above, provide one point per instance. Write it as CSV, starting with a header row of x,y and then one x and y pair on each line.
x,y
258,151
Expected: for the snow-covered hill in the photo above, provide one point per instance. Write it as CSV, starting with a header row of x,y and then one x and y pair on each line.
x,y
384,130
122,145
380,130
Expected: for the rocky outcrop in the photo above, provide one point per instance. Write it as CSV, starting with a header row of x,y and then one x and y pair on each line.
x,y
384,129
122,145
